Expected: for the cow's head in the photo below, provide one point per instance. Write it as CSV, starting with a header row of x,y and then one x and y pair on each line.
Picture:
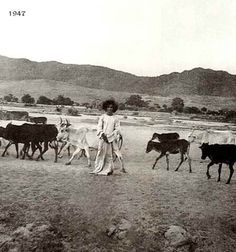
x,y
63,130
204,148
149,146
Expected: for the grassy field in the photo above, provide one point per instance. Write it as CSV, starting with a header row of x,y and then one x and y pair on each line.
x,y
79,207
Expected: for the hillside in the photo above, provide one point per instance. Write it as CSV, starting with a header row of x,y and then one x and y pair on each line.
x,y
197,81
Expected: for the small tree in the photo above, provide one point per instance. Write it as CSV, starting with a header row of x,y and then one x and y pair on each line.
x,y
136,100
204,110
177,104
27,98
72,111
44,100
10,98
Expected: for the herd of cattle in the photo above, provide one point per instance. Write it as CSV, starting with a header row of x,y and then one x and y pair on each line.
x,y
38,135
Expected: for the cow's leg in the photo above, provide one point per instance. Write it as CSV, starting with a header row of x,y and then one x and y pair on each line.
x,y
34,147
68,150
181,161
189,162
24,150
219,172
27,150
8,145
73,155
208,167
162,154
17,150
44,150
64,147
167,161
120,158
86,149
61,148
56,151
231,173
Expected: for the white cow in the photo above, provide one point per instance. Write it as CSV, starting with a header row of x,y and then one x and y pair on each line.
x,y
76,137
82,139
212,137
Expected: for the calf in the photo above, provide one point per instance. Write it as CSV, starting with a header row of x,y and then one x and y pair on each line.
x,y
171,147
165,136
218,154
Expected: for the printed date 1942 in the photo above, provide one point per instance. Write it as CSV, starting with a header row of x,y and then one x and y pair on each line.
x,y
17,13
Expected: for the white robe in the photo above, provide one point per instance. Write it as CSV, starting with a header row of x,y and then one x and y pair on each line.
x,y
110,126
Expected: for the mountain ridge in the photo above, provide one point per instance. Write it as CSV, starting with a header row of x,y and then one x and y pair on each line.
x,y
197,81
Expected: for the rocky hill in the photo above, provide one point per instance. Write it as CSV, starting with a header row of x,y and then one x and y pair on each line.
x,y
197,81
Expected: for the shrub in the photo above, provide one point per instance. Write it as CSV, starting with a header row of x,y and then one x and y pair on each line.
x,y
72,111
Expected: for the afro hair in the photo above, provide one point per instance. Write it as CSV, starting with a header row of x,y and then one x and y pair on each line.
x,y
107,103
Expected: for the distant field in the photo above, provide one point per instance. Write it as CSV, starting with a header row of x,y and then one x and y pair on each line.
x,y
81,94
52,89
210,102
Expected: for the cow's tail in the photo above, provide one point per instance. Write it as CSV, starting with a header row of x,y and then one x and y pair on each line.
x,y
188,150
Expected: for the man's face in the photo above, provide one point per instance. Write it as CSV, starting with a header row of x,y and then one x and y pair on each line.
x,y
110,109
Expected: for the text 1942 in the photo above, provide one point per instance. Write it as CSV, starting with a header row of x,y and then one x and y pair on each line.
x,y
17,13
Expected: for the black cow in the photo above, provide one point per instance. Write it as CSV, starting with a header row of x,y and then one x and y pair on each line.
x,y
171,147
37,120
165,136
33,134
218,154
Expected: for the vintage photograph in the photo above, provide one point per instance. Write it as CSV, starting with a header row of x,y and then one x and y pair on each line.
x,y
118,126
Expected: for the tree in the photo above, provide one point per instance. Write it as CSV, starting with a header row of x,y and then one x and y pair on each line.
x,y
177,104
203,109
10,98
61,100
44,100
136,100
27,98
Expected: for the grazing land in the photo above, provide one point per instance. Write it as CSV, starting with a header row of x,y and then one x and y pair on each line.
x,y
80,207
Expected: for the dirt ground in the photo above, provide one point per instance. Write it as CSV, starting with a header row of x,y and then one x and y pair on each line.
x,y
81,206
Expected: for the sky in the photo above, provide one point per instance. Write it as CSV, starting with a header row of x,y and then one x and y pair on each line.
x,y
142,37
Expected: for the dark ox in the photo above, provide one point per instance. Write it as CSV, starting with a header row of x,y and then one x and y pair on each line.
x,y
218,154
165,136
37,120
33,134
171,147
